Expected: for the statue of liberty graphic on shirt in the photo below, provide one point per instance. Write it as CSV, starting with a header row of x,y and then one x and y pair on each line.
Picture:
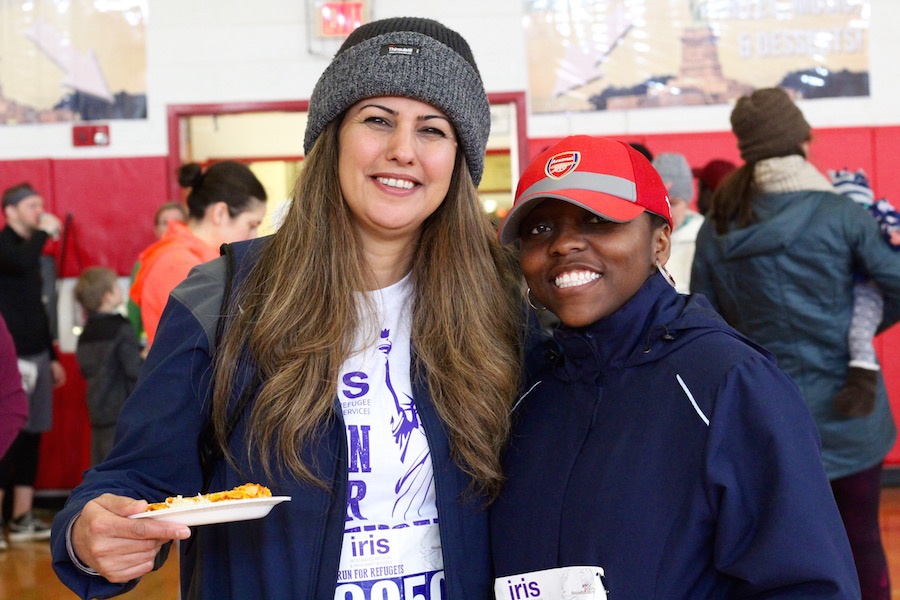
x,y
412,487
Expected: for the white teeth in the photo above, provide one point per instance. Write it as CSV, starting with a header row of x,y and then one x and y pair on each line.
x,y
575,278
397,183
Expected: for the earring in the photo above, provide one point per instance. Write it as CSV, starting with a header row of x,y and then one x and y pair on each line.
x,y
665,273
532,303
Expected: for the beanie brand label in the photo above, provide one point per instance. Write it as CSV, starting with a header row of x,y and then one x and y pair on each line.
x,y
562,164
401,49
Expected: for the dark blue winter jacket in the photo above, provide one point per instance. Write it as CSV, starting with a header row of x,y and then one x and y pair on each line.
x,y
295,551
664,447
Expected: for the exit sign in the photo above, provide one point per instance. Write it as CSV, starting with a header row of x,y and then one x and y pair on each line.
x,y
339,19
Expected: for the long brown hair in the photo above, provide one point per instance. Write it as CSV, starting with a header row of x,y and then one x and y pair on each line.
x,y
299,319
732,202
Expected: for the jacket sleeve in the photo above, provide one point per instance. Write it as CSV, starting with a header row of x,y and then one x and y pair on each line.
x,y
874,257
129,352
155,453
13,399
701,270
164,275
779,532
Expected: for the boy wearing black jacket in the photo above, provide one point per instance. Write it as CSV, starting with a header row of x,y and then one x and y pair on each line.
x,y
108,353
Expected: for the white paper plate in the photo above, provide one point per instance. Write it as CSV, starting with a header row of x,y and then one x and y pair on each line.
x,y
224,511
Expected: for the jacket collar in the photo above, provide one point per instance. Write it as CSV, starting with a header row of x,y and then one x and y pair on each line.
x,y
632,331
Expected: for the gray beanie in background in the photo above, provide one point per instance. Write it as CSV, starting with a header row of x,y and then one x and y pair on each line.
x,y
767,124
410,57
676,174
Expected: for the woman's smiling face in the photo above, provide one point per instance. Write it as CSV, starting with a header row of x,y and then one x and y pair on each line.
x,y
395,166
583,267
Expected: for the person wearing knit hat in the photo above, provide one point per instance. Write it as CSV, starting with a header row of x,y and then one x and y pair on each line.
x,y
858,394
655,452
413,58
777,257
360,362
679,180
767,123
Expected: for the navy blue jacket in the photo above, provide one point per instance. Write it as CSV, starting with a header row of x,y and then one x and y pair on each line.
x,y
294,552
664,447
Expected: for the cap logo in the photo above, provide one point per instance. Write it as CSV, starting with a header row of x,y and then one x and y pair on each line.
x,y
401,49
562,164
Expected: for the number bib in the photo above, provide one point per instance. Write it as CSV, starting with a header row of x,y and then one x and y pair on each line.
x,y
563,583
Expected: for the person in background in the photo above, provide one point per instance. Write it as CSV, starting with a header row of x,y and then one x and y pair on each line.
x,y
777,257
857,396
108,354
709,177
226,204
643,149
375,340
673,459
22,240
13,399
170,211
679,180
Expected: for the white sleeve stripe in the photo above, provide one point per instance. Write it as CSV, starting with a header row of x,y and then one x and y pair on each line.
x,y
691,398
522,397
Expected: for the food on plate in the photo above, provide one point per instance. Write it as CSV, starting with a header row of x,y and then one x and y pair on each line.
x,y
241,492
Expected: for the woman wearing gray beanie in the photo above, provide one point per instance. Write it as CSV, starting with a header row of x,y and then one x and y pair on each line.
x,y
777,257
364,365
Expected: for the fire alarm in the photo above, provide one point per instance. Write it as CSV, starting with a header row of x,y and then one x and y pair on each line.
x,y
90,135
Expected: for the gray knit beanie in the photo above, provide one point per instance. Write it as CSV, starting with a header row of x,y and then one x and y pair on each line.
x,y
411,57
676,174
767,123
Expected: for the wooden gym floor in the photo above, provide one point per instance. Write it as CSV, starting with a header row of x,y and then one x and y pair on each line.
x,y
26,574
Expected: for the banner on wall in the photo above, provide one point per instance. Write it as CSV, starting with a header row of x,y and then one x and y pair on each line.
x,y
590,55
72,61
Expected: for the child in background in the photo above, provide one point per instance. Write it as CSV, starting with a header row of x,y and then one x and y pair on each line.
x,y
857,397
108,354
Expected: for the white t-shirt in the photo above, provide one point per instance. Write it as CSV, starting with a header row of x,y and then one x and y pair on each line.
x,y
392,546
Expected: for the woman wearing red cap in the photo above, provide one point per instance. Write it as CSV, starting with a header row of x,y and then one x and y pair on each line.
x,y
656,452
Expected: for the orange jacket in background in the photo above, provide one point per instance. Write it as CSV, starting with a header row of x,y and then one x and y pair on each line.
x,y
165,264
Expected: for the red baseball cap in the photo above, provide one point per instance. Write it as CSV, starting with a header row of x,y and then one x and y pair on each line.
x,y
607,177
714,172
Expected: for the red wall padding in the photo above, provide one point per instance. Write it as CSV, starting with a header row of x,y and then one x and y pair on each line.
x,y
36,172
66,449
109,203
